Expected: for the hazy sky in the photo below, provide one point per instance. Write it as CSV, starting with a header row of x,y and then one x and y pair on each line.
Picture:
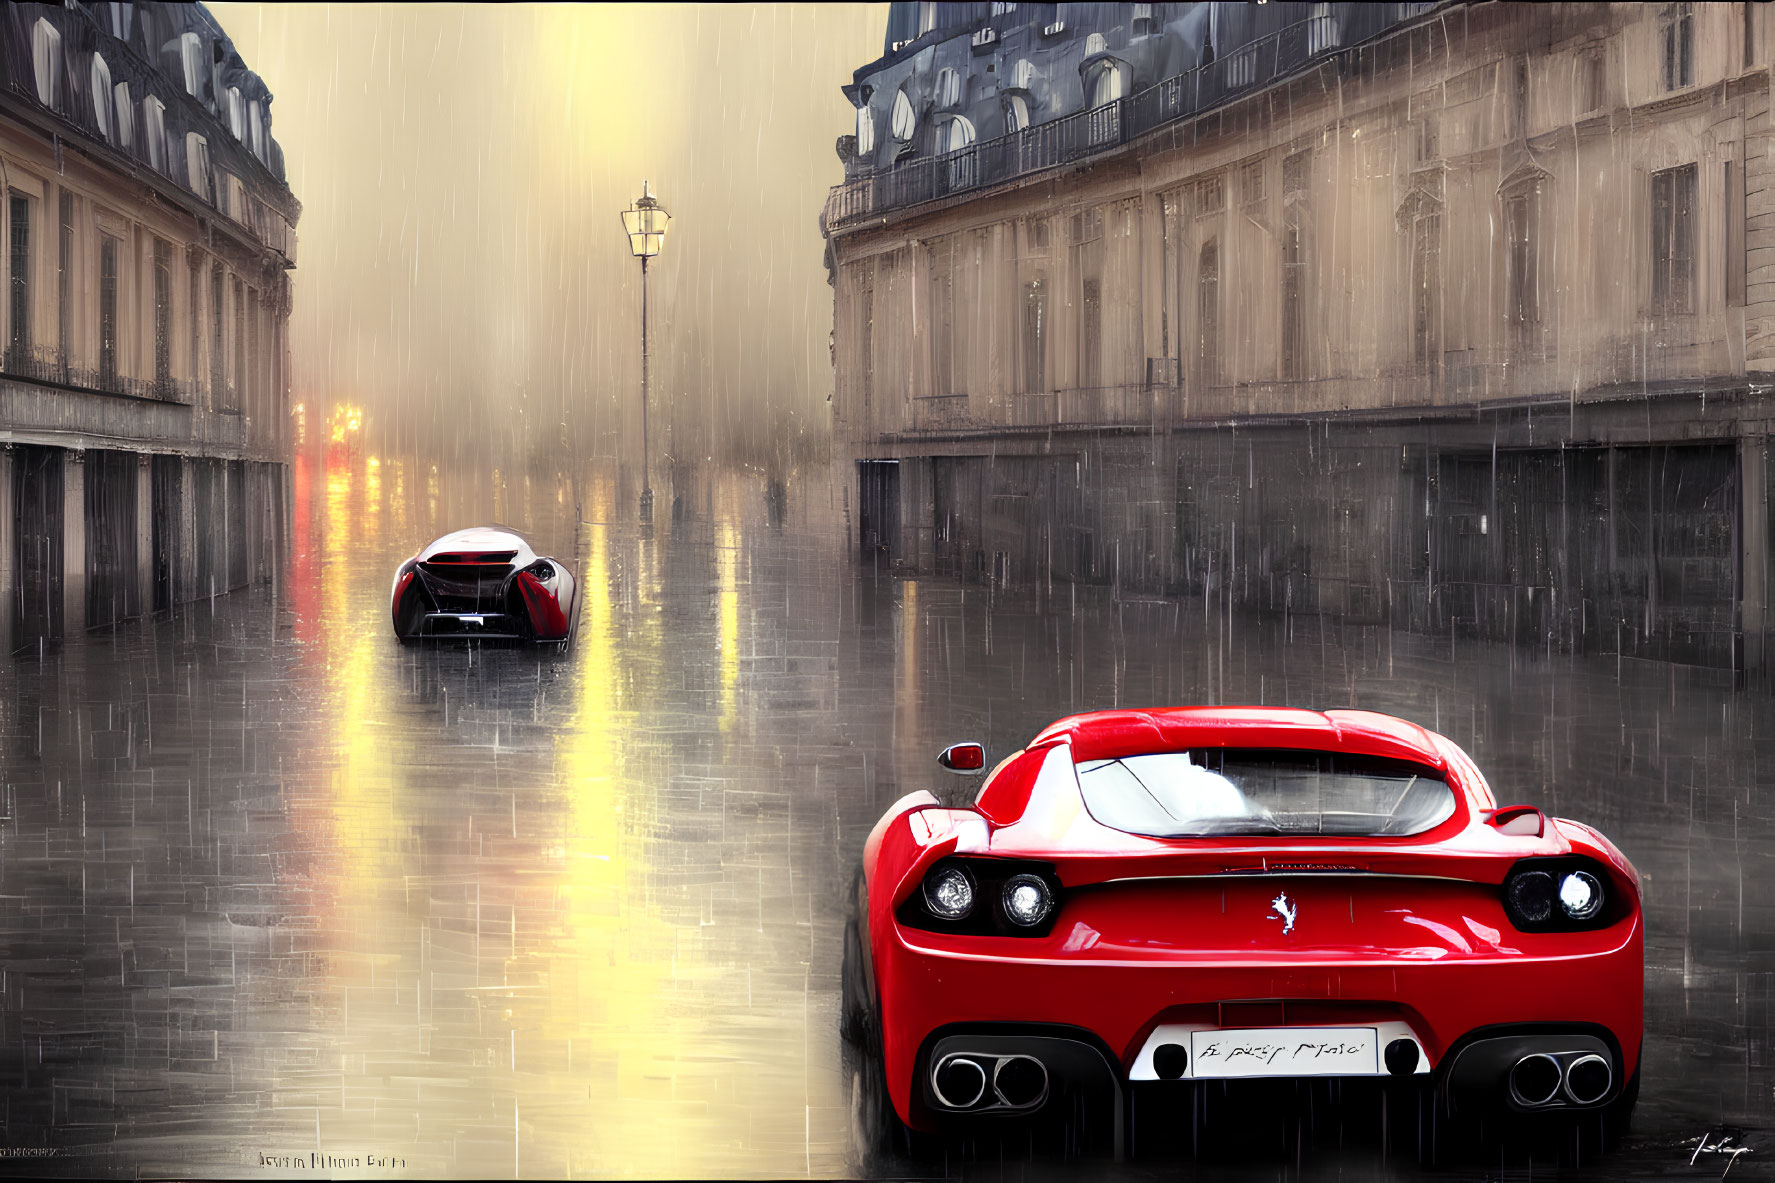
x,y
462,270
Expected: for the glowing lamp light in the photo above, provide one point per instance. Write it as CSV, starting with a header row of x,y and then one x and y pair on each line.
x,y
645,224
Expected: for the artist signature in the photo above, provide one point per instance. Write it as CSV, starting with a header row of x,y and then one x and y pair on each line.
x,y
1726,1142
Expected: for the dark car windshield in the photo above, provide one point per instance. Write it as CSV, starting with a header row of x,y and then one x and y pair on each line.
x,y
1231,791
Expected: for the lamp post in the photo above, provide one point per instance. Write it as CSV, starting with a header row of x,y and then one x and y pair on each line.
x,y
645,224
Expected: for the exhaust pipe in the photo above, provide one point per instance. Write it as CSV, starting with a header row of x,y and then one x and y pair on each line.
x,y
959,1082
1587,1079
1535,1079
1021,1082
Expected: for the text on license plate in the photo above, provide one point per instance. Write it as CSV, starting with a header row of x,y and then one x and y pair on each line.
x,y
1284,1051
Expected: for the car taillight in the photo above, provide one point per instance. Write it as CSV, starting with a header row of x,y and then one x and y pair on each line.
x,y
949,893
984,897
1556,894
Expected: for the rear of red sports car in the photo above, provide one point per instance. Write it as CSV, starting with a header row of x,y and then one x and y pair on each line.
x,y
484,583
1236,893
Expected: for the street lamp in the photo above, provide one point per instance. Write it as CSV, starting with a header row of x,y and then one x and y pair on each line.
x,y
645,224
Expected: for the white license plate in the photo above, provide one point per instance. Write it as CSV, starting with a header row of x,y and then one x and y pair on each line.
x,y
1284,1051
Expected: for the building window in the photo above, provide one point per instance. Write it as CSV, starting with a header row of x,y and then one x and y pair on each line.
x,y
250,373
64,309
1208,314
1426,287
163,316
1322,33
1735,228
1210,195
1106,83
18,208
865,131
126,115
959,134
239,383
1426,144
1241,67
1590,81
1676,40
1294,328
942,318
1091,332
237,113
1035,335
221,397
1519,96
1673,241
154,128
191,58
256,124
903,122
194,302
1022,74
948,89
1522,301
1251,182
1016,113
101,94
1297,170
866,343
46,60
107,312
197,164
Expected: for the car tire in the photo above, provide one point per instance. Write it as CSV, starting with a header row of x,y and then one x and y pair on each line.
x,y
881,1143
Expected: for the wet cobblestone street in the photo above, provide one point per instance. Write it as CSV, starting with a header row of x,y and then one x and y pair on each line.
x,y
279,896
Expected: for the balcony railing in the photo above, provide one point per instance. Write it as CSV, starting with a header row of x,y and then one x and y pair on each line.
x,y
1047,145
43,363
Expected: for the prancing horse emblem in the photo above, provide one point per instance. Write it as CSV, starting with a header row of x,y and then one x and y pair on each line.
x,y
1284,909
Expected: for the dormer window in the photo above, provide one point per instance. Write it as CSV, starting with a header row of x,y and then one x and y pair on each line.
x,y
154,128
191,58
237,113
122,16
948,89
1105,83
865,131
903,122
1094,43
960,134
101,94
197,164
1016,113
256,123
126,115
46,58
1022,74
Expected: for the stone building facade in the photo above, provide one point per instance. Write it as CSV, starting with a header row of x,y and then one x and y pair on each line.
x,y
144,376
1456,317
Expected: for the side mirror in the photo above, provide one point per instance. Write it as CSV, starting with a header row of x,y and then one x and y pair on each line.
x,y
1520,821
965,758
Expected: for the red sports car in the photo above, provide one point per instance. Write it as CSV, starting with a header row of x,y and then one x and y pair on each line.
x,y
483,582
1223,893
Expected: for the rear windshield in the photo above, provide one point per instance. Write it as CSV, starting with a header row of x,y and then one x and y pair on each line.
x,y
1214,791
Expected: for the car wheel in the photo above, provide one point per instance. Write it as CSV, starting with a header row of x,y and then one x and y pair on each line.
x,y
881,1144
